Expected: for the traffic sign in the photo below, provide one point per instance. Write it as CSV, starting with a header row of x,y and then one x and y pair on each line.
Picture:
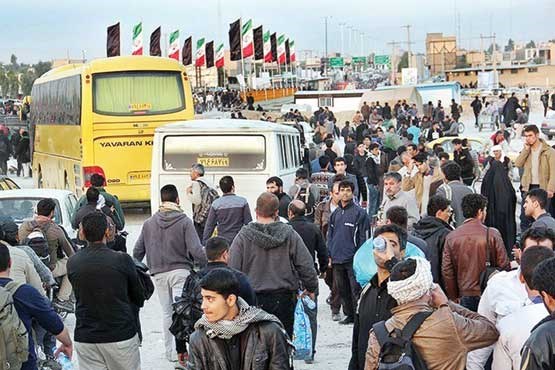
x,y
336,62
359,60
381,60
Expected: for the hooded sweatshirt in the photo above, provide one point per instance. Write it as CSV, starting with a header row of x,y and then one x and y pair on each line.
x,y
274,258
170,242
433,230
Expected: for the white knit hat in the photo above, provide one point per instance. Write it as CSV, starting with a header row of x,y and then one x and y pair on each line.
x,y
415,286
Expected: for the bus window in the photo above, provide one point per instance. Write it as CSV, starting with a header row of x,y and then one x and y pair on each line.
x,y
222,152
285,153
282,164
137,93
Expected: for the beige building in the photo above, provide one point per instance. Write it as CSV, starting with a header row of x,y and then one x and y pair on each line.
x,y
530,75
441,52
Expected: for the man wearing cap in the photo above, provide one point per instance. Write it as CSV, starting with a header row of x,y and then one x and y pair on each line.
x,y
448,331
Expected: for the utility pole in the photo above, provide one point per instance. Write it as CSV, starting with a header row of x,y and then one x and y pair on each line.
x,y
349,29
342,25
408,26
362,44
326,44
393,60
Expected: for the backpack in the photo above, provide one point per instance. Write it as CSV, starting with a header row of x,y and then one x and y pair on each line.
x,y
14,339
38,242
207,195
305,195
187,309
398,352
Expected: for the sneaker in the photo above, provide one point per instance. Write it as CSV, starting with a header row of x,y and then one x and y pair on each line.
x,y
347,320
65,306
336,317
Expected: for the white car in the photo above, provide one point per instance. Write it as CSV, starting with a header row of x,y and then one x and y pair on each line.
x,y
21,205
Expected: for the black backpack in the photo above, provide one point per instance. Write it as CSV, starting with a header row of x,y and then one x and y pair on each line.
x,y
38,242
187,309
397,352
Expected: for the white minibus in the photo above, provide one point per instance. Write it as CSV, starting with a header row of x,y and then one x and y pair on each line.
x,y
249,151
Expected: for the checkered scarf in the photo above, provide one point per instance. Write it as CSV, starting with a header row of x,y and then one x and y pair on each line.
x,y
226,329
415,286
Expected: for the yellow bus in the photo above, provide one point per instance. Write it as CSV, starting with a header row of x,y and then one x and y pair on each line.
x,y
99,117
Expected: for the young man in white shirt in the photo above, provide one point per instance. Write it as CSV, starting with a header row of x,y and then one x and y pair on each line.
x,y
505,292
515,328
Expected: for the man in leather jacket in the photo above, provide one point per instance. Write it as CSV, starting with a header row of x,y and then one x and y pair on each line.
x,y
233,335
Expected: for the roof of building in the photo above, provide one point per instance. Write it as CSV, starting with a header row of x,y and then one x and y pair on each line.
x,y
490,68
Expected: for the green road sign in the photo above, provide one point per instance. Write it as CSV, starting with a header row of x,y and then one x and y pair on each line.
x,y
336,62
359,60
381,59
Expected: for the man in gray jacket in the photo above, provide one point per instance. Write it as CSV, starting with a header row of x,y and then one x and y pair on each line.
x,y
274,258
454,190
171,245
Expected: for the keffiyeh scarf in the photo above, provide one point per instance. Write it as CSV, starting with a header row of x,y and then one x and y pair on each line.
x,y
415,286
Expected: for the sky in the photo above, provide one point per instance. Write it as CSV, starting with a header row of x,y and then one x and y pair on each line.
x,y
52,29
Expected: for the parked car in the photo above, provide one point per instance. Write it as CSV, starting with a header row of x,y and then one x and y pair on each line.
x,y
548,125
7,184
21,205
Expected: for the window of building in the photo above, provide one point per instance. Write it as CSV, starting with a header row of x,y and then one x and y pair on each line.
x,y
532,70
514,71
325,101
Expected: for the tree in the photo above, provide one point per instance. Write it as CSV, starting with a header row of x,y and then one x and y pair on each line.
x,y
13,81
27,80
13,61
41,68
490,49
404,62
531,45
4,83
510,45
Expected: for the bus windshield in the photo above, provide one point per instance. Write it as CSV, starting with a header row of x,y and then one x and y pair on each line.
x,y
134,93
218,153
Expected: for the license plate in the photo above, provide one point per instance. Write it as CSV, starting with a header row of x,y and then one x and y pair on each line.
x,y
139,177
214,161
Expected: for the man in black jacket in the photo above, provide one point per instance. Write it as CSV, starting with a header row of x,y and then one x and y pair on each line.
x,y
106,287
464,159
233,335
274,185
433,228
314,241
476,108
539,351
375,303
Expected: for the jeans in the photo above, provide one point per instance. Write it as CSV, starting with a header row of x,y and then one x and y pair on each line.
x,y
200,229
349,289
335,298
374,196
312,316
282,305
169,285
470,303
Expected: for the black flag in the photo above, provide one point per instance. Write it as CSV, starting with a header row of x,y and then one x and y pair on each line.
x,y
273,42
258,43
235,40
209,54
112,43
155,49
287,52
187,53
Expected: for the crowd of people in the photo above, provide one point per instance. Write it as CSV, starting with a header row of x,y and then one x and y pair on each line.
x,y
430,270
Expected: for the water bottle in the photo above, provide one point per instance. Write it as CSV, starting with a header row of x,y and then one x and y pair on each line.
x,y
379,244
63,360
310,304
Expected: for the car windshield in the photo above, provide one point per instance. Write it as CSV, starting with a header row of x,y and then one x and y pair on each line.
x,y
20,209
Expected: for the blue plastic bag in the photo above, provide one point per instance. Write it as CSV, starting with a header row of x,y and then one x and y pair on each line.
x,y
302,334
364,265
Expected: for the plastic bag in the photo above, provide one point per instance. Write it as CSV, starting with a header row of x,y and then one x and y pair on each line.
x,y
302,334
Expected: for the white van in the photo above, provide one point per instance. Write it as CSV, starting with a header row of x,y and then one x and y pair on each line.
x,y
249,151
